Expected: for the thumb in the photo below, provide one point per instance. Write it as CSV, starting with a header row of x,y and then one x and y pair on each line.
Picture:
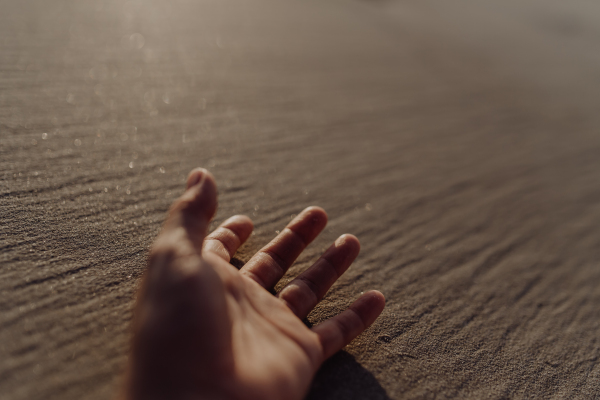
x,y
194,210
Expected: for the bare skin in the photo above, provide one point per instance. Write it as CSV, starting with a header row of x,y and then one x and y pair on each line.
x,y
204,330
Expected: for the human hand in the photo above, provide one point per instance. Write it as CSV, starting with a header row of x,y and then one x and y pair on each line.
x,y
204,330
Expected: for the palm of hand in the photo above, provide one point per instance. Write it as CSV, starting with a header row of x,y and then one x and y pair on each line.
x,y
203,329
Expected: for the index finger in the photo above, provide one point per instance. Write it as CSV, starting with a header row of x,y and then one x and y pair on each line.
x,y
228,237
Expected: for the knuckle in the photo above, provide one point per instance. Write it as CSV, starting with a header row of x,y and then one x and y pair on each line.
x,y
169,246
343,328
183,205
162,251
217,247
311,288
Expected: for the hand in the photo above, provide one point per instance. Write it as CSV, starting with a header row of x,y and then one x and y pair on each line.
x,y
204,330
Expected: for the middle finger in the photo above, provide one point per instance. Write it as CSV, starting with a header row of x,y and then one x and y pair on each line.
x,y
272,261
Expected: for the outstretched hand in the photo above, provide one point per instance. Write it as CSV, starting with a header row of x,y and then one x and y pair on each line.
x,y
204,330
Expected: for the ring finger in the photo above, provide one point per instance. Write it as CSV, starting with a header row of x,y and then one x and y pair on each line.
x,y
272,261
303,293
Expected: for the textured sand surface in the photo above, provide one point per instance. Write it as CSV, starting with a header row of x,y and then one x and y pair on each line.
x,y
460,144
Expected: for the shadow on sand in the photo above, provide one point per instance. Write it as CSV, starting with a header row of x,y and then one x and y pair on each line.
x,y
342,377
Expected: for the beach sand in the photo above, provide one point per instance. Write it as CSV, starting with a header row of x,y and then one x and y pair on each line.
x,y
459,144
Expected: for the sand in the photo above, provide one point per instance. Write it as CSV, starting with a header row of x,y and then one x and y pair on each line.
x,y
460,144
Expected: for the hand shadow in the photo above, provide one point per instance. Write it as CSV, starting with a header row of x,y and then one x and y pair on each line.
x,y
342,377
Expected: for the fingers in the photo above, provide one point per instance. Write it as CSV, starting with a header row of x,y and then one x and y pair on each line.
x,y
196,207
273,260
337,332
228,237
303,293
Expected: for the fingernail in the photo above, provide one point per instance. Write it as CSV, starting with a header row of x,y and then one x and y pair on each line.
x,y
196,177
